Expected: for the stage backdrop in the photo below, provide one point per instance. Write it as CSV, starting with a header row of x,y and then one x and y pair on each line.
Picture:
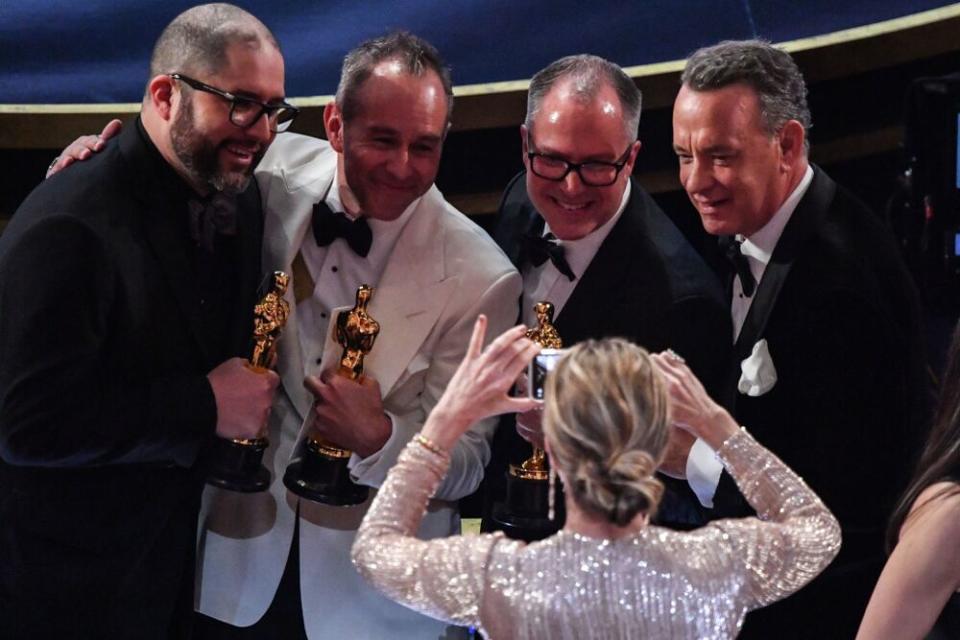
x,y
96,51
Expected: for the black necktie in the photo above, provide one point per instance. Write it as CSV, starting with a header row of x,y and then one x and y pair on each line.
x,y
210,216
537,249
731,249
329,225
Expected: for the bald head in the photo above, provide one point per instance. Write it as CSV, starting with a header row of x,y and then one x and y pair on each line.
x,y
197,39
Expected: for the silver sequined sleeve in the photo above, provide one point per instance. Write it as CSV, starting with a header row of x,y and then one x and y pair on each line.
x,y
442,578
796,536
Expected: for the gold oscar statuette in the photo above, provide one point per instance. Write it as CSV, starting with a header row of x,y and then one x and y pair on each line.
x,y
321,474
237,463
524,512
544,334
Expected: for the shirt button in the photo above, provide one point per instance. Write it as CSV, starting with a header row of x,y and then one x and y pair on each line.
x,y
323,314
334,269
318,360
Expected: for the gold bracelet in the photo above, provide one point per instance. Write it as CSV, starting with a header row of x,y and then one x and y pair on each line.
x,y
429,444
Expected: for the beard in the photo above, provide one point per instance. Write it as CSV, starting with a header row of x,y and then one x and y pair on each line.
x,y
201,157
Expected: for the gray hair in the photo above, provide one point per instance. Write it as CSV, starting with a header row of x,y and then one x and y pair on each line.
x,y
416,55
198,38
588,74
769,71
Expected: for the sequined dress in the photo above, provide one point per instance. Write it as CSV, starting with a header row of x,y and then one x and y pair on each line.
x,y
656,583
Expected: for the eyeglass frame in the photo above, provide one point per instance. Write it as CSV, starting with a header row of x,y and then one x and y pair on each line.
x,y
267,109
619,164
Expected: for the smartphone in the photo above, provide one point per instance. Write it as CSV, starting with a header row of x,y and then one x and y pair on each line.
x,y
539,367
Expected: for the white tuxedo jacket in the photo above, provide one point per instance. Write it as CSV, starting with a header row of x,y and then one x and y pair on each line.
x,y
442,273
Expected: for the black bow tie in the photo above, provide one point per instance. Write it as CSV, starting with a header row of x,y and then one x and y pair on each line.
x,y
329,225
732,250
210,216
537,249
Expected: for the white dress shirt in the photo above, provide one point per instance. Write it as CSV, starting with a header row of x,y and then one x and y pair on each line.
x,y
547,283
337,272
703,466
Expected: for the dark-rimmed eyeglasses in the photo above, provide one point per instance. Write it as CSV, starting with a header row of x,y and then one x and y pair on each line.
x,y
244,112
593,173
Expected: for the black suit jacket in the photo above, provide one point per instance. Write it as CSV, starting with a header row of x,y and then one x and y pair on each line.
x,y
841,319
104,403
647,284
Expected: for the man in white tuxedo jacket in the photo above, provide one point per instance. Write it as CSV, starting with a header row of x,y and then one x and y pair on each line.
x,y
433,271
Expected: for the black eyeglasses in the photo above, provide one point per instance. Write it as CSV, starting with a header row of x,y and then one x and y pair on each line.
x,y
244,112
594,173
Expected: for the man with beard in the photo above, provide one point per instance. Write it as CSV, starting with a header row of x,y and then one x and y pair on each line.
x,y
127,284
360,209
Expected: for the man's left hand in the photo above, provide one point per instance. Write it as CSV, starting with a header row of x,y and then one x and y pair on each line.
x,y
349,413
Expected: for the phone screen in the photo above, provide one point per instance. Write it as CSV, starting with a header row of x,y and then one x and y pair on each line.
x,y
540,366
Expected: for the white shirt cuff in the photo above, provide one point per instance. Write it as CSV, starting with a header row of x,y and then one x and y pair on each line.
x,y
359,466
703,472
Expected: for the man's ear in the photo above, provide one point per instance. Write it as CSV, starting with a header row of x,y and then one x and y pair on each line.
x,y
333,124
523,146
632,157
161,92
792,137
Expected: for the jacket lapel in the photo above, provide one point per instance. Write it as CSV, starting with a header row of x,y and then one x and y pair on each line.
x,y
249,249
602,286
411,294
802,224
162,219
288,210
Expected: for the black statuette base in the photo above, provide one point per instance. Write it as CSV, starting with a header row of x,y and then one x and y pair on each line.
x,y
523,515
320,478
237,466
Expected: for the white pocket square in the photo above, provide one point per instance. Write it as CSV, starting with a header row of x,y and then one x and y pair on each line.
x,y
757,373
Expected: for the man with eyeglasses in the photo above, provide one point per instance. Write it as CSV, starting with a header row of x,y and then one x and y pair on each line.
x,y
590,240
127,284
361,208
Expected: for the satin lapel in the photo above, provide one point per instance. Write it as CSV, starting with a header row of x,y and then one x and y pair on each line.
x,y
411,294
601,288
288,210
162,232
530,223
803,223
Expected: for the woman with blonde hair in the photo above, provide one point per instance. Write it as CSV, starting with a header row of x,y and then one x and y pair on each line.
x,y
608,573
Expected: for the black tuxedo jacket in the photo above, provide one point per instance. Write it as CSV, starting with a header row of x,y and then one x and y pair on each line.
x,y
647,284
104,404
841,319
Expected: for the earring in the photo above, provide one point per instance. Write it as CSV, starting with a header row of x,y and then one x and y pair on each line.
x,y
551,497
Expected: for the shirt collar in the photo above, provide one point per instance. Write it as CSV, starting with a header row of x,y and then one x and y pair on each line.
x,y
760,245
580,252
383,230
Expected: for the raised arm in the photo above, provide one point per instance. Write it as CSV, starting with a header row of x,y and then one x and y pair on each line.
x,y
795,536
442,578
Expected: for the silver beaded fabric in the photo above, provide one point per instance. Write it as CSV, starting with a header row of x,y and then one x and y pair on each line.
x,y
656,583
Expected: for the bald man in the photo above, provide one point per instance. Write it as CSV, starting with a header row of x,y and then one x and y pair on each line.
x,y
129,301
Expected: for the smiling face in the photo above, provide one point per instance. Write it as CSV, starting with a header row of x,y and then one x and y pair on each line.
x,y
390,148
575,129
212,151
735,172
